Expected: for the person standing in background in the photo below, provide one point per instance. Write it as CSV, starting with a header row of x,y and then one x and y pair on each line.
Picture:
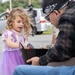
x,y
32,15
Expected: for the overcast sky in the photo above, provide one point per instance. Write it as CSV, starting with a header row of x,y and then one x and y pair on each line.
x,y
4,0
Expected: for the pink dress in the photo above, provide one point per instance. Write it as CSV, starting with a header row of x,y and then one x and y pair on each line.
x,y
11,57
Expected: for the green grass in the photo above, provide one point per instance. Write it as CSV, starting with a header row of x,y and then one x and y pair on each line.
x,y
48,31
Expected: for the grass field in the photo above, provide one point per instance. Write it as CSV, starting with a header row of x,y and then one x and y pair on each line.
x,y
48,31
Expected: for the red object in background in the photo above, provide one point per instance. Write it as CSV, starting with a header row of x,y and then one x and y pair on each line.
x,y
42,21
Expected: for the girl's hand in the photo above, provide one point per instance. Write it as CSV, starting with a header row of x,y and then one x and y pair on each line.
x,y
26,47
34,61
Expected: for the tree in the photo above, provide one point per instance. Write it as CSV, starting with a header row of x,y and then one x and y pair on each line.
x,y
19,3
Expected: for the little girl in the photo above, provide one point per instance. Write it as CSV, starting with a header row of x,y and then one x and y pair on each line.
x,y
18,24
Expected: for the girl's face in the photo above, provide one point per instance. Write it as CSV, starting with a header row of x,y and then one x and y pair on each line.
x,y
18,24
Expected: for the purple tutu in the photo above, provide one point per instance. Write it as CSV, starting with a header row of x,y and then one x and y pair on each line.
x,y
10,60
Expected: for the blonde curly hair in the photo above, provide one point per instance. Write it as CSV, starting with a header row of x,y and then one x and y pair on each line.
x,y
23,15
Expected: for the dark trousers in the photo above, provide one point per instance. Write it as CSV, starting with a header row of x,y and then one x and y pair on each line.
x,y
69,62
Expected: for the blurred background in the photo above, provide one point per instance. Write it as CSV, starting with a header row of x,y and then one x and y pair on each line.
x,y
4,4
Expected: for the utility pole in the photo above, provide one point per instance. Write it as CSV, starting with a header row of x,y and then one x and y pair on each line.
x,y
29,2
10,5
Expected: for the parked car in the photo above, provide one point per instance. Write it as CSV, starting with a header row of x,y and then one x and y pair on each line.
x,y
2,16
41,23
2,21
